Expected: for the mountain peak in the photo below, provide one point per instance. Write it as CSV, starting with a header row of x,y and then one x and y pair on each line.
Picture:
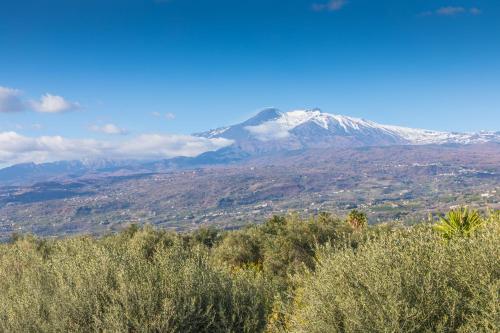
x,y
264,115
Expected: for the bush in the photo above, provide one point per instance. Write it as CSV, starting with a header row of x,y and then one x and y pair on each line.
x,y
283,245
134,283
408,281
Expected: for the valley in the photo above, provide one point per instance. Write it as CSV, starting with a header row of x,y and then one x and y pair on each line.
x,y
402,183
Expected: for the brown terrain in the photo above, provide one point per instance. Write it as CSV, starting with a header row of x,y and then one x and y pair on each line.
x,y
390,183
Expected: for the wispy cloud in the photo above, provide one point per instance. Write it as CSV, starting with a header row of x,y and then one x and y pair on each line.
x,y
16,148
111,129
475,11
168,115
331,6
35,126
452,11
10,100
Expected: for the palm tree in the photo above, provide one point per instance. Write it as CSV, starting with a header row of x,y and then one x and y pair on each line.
x,y
357,219
459,222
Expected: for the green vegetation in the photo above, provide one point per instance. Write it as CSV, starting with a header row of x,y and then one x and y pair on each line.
x,y
322,274
409,281
459,222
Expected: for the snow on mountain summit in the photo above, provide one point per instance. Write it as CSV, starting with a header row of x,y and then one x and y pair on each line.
x,y
314,128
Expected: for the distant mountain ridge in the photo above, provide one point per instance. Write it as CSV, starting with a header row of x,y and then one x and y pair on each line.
x,y
268,132
301,129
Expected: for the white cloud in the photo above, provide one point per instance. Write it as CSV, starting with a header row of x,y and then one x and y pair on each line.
x,y
10,100
111,129
54,104
332,5
268,131
160,146
16,148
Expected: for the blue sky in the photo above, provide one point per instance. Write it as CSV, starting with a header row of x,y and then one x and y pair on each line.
x,y
115,69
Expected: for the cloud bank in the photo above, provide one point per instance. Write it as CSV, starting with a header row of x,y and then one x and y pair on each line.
x,y
16,148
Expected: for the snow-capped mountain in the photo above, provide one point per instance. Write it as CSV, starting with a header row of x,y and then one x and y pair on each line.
x,y
271,129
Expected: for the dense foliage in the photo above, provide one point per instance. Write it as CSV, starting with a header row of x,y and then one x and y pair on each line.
x,y
321,274
409,281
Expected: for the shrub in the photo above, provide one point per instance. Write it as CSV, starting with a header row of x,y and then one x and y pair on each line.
x,y
240,249
283,245
407,281
207,236
135,283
